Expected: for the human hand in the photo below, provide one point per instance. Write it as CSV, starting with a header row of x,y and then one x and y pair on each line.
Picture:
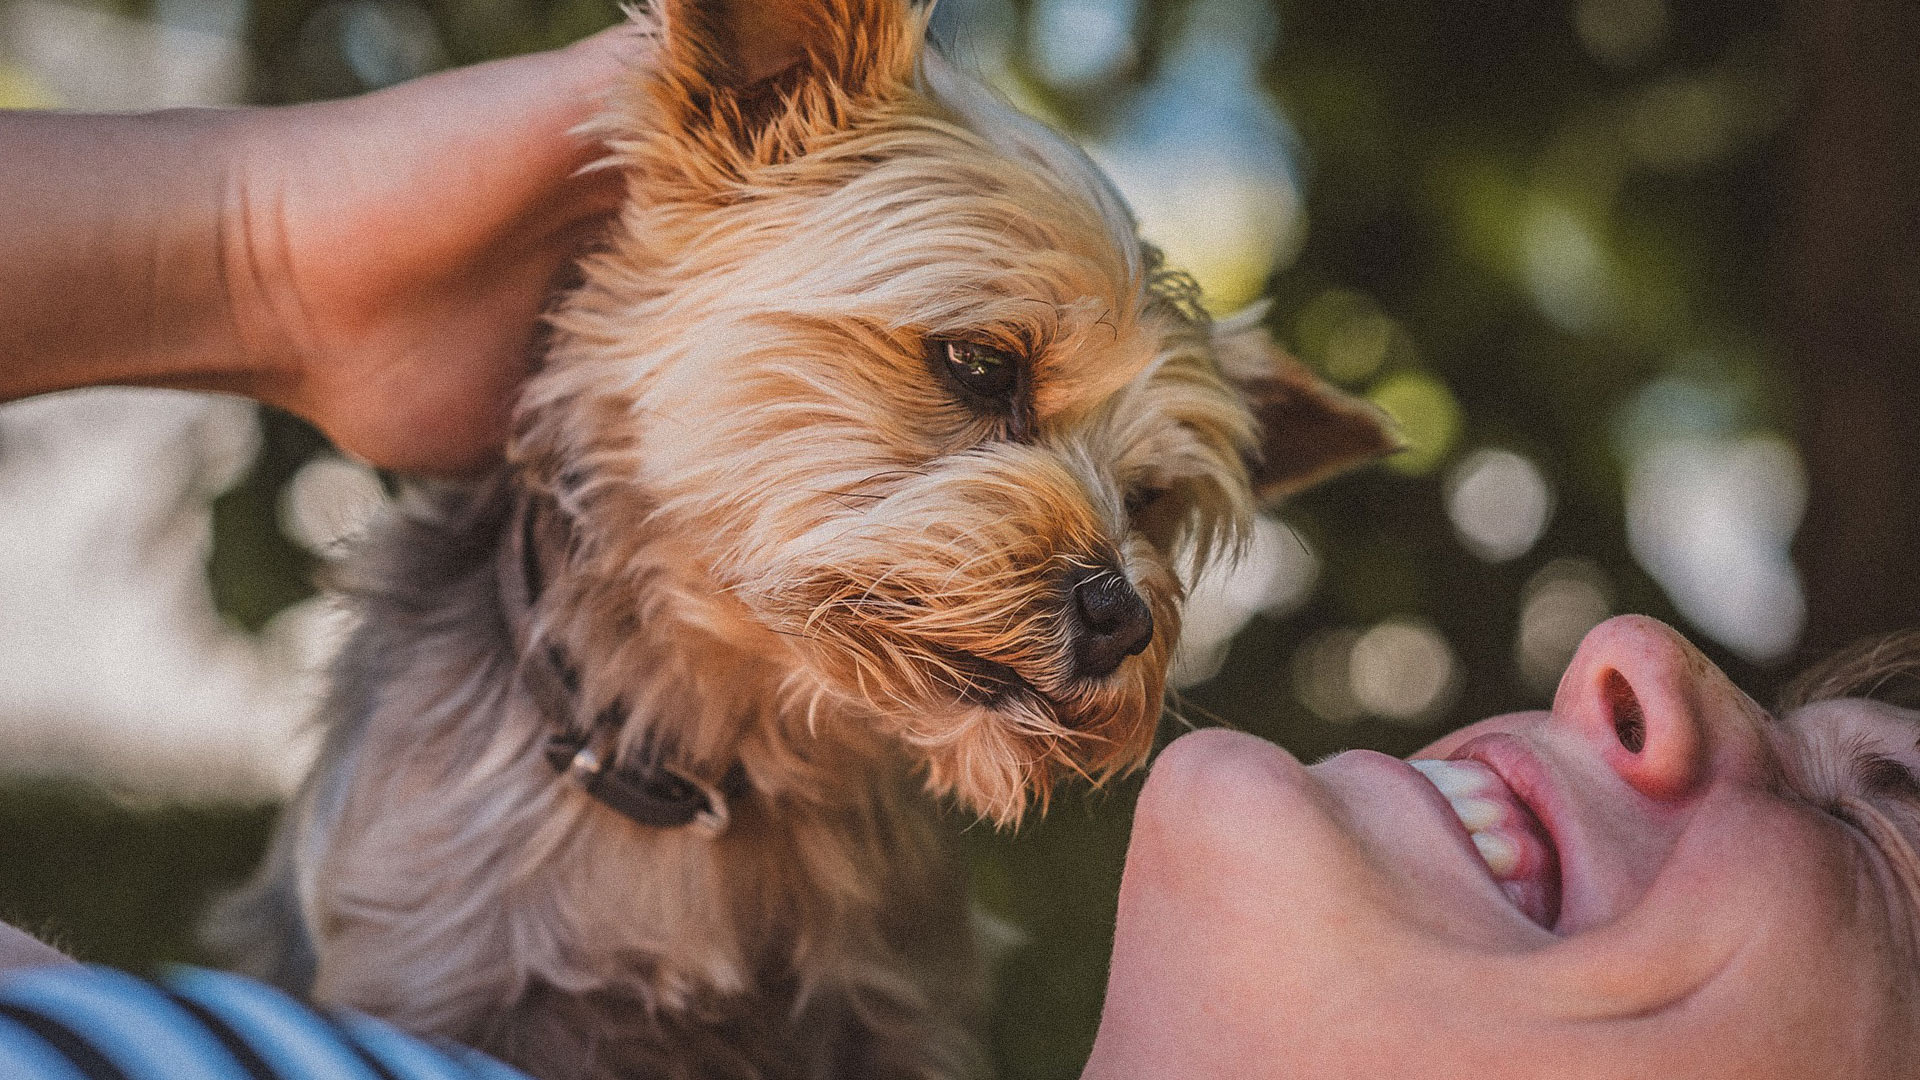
x,y
393,251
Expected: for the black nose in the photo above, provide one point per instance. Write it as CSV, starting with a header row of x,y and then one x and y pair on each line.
x,y
1111,622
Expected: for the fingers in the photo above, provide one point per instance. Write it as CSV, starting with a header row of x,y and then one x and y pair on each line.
x,y
494,138
617,49
425,225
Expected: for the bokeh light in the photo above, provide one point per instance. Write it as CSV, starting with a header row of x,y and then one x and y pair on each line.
x,y
1713,521
1426,414
1565,267
1345,336
353,45
330,502
1323,676
1402,670
1499,503
1273,576
1561,602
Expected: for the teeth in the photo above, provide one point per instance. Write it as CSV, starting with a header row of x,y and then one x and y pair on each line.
x,y
1502,855
1463,783
1455,777
1477,814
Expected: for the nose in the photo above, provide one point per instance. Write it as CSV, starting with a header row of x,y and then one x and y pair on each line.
x,y
1656,709
1110,621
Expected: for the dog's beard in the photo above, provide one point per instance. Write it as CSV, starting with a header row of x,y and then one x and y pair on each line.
x,y
939,603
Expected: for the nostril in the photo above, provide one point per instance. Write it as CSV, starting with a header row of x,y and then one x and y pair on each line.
x,y
1623,705
1105,602
1115,622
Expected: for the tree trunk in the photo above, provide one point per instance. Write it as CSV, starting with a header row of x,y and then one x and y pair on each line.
x,y
1850,320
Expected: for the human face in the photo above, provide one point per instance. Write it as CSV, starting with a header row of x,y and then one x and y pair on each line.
x,y
1675,884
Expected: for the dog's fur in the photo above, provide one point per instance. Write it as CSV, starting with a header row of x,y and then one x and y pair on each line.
x,y
745,506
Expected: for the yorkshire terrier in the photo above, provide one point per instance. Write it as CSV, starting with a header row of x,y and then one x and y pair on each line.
x,y
865,464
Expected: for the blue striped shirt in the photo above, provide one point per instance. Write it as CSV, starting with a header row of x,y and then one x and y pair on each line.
x,y
91,1023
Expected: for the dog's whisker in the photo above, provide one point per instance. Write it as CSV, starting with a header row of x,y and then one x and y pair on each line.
x,y
1212,719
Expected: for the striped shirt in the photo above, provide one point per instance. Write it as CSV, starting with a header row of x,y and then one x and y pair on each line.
x,y
90,1023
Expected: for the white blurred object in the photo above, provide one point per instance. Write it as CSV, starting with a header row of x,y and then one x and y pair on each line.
x,y
1712,519
329,503
1323,676
1275,575
1205,159
1560,603
1402,670
1499,503
1566,269
1079,41
113,662
90,57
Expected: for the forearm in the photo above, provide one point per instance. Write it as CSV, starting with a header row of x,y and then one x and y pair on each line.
x,y
123,254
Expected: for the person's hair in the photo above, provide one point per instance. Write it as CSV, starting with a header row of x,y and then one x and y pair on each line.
x,y
1885,667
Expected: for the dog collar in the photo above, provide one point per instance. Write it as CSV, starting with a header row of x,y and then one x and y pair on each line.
x,y
647,792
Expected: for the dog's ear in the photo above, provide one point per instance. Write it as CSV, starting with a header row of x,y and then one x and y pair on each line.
x,y
751,82
1309,431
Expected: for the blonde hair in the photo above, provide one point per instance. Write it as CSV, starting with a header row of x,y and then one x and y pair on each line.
x,y
1884,667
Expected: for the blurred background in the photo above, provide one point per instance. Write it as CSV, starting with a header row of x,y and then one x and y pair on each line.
x,y
1640,280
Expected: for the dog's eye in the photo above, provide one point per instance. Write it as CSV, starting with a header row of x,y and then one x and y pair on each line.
x,y
981,370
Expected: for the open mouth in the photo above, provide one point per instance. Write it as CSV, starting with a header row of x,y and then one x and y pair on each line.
x,y
1518,850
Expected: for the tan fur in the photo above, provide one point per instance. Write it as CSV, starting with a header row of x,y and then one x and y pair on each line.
x,y
773,534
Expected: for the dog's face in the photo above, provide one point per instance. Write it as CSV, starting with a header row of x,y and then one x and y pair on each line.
x,y
891,359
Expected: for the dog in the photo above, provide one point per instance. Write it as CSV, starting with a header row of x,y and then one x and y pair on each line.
x,y
863,469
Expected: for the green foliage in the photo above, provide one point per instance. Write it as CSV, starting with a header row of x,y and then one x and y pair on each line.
x,y
1517,216
254,569
117,882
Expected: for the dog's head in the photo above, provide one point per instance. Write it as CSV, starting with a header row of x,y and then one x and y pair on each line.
x,y
892,359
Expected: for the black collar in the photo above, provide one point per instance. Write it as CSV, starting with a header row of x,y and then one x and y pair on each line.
x,y
647,792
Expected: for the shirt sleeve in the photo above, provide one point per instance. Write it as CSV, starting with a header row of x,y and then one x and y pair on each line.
x,y
93,1023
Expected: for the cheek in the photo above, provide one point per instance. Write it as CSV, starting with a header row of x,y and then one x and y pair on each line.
x,y
1807,929
1834,936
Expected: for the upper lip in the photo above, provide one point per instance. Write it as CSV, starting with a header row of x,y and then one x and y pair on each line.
x,y
1514,762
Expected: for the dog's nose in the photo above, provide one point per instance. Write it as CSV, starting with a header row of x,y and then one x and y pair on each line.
x,y
1111,621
